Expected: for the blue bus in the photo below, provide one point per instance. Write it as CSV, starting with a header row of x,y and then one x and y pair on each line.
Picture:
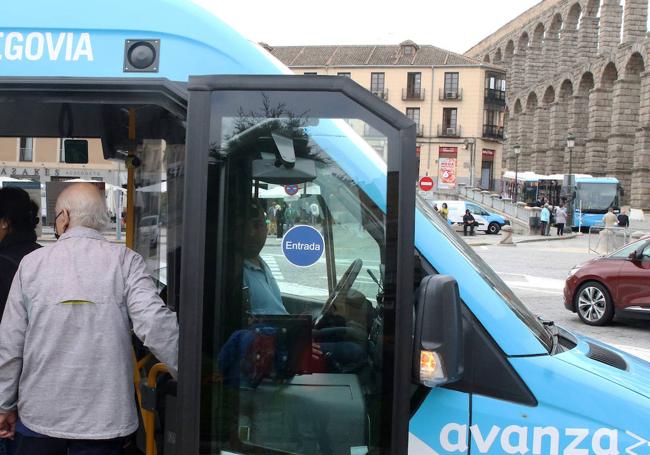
x,y
593,198
425,348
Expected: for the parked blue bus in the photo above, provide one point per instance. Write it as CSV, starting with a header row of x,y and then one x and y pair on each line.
x,y
593,196
426,349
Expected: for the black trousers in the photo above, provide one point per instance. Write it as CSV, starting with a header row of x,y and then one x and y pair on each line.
x,y
560,228
470,227
25,445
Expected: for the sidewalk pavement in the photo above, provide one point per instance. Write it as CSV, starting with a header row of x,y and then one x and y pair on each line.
x,y
489,240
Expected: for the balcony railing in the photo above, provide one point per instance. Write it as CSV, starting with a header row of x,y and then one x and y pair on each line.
x,y
493,132
495,97
412,94
449,131
450,95
383,94
420,131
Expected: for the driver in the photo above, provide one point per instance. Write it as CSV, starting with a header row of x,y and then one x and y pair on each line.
x,y
263,292
264,297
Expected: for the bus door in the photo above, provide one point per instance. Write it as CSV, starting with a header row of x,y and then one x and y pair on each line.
x,y
297,248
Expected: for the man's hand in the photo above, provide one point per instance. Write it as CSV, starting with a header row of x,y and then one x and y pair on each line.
x,y
8,424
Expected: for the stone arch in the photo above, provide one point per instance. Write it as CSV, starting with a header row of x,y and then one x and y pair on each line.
x,y
510,50
566,89
538,35
572,20
531,102
486,58
609,76
518,109
586,84
549,95
556,23
634,67
498,57
522,43
593,7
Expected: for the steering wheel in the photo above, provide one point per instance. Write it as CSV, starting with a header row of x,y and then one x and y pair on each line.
x,y
342,288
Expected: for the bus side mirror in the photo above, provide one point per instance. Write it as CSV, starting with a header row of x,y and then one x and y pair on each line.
x,y
438,340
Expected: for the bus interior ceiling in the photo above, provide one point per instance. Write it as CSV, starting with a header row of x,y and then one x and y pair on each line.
x,y
106,116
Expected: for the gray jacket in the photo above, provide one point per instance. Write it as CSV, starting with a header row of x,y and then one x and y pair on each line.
x,y
65,337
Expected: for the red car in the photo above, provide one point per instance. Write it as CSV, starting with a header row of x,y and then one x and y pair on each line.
x,y
618,283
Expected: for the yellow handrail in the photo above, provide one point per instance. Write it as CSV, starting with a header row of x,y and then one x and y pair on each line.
x,y
148,416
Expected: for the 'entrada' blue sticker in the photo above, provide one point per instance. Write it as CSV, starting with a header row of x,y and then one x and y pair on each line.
x,y
303,245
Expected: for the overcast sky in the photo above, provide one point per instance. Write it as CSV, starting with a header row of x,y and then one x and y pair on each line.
x,y
454,25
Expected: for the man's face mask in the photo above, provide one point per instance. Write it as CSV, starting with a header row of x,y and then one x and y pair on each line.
x,y
56,231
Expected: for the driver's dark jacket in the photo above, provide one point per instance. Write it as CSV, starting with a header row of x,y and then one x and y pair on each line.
x,y
13,248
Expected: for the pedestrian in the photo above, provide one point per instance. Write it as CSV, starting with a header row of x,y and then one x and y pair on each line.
x,y
610,219
444,211
623,219
66,384
545,218
315,213
560,219
18,221
468,222
280,220
435,207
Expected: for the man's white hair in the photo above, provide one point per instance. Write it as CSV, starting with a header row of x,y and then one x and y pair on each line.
x,y
85,204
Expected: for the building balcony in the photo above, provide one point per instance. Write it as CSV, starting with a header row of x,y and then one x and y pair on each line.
x,y
493,132
497,97
383,94
411,94
449,131
450,95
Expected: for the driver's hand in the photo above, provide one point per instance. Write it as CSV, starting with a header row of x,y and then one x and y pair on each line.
x,y
316,353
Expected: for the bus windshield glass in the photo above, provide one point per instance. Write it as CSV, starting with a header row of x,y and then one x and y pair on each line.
x,y
596,197
486,272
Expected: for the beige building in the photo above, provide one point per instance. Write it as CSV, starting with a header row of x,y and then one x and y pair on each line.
x,y
457,102
42,159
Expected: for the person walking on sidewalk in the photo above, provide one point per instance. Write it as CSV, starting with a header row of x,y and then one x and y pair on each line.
x,y
545,218
67,374
560,219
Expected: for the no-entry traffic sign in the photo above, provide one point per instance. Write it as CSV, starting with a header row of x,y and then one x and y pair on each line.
x,y
426,183
291,190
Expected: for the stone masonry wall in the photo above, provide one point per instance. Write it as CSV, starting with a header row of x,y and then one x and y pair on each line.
x,y
593,56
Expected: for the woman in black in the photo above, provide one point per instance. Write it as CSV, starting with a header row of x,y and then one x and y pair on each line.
x,y
18,220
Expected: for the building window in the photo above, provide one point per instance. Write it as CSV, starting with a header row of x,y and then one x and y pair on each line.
x,y
377,84
493,121
495,89
449,127
414,114
26,149
414,86
451,86
344,74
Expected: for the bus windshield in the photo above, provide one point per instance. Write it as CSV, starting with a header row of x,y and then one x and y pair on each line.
x,y
486,272
596,197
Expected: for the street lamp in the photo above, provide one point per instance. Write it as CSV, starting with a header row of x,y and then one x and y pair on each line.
x,y
570,144
469,145
517,149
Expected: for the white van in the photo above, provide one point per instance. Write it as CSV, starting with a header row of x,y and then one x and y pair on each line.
x,y
490,223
